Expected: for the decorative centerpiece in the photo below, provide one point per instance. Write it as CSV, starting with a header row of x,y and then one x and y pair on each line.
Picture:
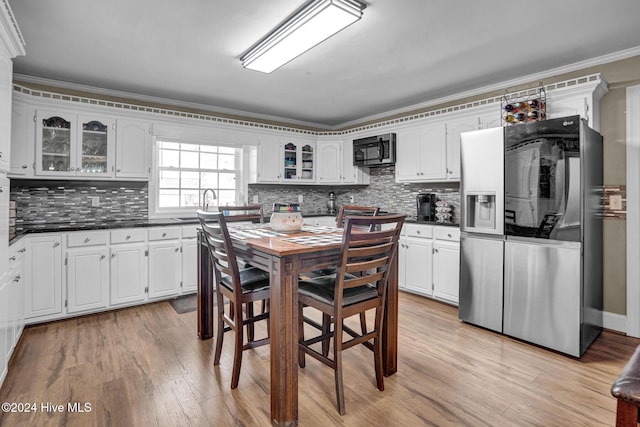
x,y
286,217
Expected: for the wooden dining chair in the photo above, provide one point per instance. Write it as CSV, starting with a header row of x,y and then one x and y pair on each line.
x,y
359,285
345,212
351,210
252,213
241,287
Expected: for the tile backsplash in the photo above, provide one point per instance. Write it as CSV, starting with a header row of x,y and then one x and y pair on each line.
x,y
382,191
39,201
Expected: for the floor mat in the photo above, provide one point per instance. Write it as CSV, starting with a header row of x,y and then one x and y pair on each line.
x,y
185,304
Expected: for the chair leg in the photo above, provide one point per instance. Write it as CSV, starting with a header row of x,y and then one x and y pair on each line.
x,y
220,331
337,357
250,326
377,354
326,328
301,355
237,351
626,414
363,323
267,306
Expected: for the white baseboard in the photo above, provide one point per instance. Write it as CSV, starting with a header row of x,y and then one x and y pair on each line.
x,y
615,322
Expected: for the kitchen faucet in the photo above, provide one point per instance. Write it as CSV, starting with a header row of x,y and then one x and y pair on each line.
x,y
204,198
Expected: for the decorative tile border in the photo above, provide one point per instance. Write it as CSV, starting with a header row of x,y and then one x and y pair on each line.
x,y
590,79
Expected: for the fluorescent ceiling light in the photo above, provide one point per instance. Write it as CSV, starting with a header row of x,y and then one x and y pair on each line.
x,y
315,22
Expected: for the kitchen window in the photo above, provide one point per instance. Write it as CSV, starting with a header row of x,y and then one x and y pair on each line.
x,y
185,169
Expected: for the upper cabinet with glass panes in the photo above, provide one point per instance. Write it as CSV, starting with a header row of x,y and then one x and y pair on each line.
x,y
186,170
299,161
74,145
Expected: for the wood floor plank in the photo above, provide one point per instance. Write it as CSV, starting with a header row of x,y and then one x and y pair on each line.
x,y
145,366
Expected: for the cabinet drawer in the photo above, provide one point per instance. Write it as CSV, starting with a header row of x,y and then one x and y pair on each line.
x,y
87,238
164,233
128,236
190,231
447,233
417,230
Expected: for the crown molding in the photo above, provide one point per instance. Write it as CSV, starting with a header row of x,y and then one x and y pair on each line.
x,y
612,57
10,35
167,102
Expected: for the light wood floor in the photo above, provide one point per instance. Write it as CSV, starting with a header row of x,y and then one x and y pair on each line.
x,y
144,366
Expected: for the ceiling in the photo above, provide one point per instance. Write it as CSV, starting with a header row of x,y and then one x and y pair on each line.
x,y
400,54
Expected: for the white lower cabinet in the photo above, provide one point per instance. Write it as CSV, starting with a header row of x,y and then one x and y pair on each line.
x,y
87,278
189,265
17,290
87,271
415,263
446,270
43,273
5,330
429,261
165,262
128,266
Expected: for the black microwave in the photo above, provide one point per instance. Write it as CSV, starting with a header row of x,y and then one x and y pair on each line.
x,y
375,151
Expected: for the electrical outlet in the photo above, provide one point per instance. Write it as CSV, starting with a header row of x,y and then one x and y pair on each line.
x,y
300,198
352,199
95,201
615,202
255,199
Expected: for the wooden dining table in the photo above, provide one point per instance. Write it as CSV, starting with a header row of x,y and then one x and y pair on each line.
x,y
285,256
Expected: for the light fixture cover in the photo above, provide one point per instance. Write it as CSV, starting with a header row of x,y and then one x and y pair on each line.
x,y
312,24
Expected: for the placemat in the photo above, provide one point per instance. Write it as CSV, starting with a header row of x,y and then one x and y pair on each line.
x,y
317,240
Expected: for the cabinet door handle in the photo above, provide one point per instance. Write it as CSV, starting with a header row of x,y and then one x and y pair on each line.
x,y
449,234
24,166
118,170
164,234
113,255
12,258
17,278
128,237
177,249
86,240
22,250
56,244
102,257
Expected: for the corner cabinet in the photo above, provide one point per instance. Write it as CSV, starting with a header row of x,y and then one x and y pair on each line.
x,y
74,145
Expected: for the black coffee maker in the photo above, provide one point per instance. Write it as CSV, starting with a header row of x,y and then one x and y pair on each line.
x,y
426,204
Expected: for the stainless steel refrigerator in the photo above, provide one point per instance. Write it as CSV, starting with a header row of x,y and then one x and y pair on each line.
x,y
531,243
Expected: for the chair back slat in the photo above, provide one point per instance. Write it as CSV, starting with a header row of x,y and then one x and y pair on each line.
x,y
221,250
366,256
253,213
347,211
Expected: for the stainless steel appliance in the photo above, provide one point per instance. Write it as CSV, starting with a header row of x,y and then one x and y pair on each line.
x,y
551,213
482,228
375,151
426,206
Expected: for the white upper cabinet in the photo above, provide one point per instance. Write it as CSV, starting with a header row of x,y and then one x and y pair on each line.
x,y
22,141
329,162
454,128
6,67
74,145
133,149
421,153
269,159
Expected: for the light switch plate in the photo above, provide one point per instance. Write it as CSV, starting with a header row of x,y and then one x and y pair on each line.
x,y
255,199
300,198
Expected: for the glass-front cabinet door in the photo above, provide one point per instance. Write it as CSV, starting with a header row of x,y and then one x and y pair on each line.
x,y
55,136
299,162
95,146
74,145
